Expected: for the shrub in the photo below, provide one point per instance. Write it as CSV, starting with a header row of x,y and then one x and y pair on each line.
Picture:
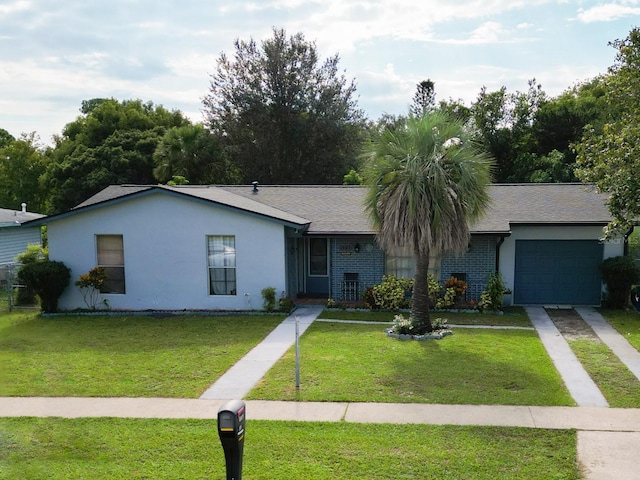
x,y
491,298
408,326
89,285
619,273
48,280
286,304
436,290
448,300
392,294
404,326
33,253
459,286
269,298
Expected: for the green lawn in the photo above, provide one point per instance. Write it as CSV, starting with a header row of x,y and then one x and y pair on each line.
x,y
514,316
618,385
359,363
113,449
627,322
131,356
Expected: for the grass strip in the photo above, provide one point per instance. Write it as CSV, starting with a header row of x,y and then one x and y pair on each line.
x,y
131,356
55,448
514,316
359,363
619,386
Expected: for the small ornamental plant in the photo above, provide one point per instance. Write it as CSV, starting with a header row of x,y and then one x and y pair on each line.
x,y
90,284
459,286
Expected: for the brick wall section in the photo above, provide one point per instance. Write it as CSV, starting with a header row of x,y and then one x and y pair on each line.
x,y
477,263
368,263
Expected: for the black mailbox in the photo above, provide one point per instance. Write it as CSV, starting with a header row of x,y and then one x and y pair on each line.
x,y
231,420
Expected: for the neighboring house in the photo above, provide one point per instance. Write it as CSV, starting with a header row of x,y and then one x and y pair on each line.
x,y
14,237
217,247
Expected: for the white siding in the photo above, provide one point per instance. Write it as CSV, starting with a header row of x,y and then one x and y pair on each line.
x,y
508,248
165,249
14,240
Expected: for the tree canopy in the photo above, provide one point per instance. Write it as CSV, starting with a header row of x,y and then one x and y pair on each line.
x,y
195,154
609,155
112,142
22,163
282,114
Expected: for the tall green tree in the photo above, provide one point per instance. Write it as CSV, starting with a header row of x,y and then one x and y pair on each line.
x,y
427,184
194,153
282,114
22,163
610,156
112,142
424,100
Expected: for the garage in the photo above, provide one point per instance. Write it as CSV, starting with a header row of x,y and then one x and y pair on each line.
x,y
558,272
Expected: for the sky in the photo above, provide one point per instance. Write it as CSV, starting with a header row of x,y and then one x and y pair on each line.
x,y
55,54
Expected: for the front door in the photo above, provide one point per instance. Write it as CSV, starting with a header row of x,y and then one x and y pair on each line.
x,y
318,267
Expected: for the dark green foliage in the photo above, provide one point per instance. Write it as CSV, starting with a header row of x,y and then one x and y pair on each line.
x,y
193,154
608,153
23,162
111,143
33,253
619,273
286,304
283,116
269,299
48,279
491,298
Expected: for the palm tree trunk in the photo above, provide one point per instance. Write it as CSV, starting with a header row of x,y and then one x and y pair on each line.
x,y
420,298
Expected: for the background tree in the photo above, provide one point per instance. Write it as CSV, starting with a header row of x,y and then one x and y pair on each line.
x,y
22,162
427,183
424,100
195,154
112,142
283,116
5,138
610,156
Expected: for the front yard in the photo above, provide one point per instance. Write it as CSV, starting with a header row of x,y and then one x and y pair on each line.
x,y
128,356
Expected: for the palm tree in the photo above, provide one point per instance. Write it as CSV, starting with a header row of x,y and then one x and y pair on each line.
x,y
427,183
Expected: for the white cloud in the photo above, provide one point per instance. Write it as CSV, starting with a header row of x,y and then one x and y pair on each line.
x,y
608,12
12,7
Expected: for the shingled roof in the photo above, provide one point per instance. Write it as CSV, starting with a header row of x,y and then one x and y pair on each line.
x,y
339,210
13,218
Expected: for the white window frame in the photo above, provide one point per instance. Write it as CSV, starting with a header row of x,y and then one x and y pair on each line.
x,y
111,263
222,260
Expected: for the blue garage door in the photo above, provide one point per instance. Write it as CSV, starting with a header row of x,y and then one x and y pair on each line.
x,y
558,272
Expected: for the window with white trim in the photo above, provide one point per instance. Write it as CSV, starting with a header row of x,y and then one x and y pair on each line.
x,y
221,252
110,250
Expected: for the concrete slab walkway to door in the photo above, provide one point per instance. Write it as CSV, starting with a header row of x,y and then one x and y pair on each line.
x,y
247,372
580,385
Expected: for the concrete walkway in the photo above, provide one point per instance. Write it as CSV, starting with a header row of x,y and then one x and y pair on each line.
x,y
580,385
245,374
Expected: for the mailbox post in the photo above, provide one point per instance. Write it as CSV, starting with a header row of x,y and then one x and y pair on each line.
x,y
231,420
